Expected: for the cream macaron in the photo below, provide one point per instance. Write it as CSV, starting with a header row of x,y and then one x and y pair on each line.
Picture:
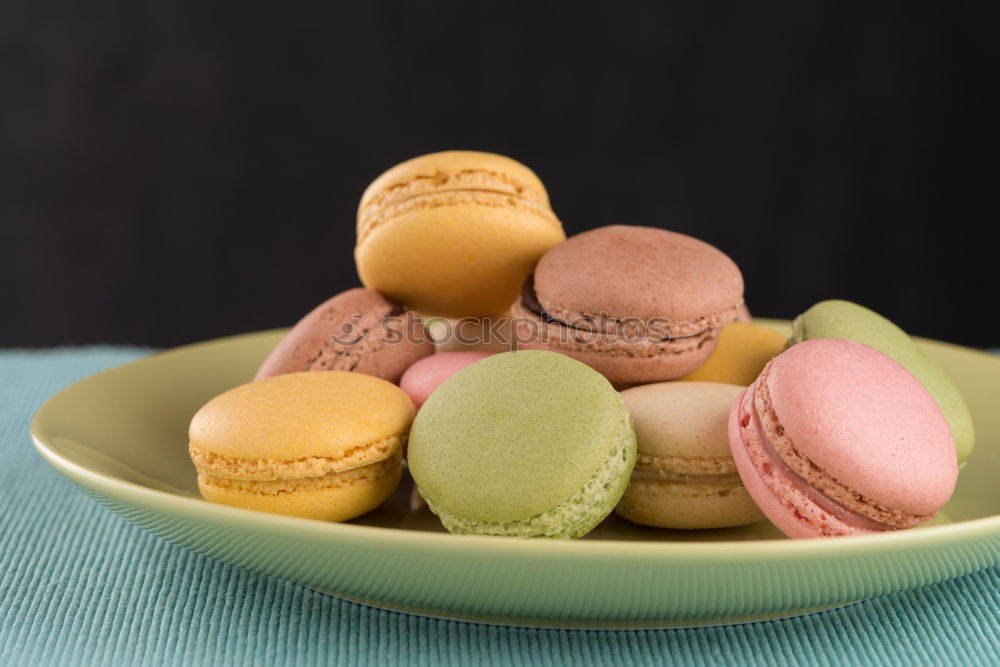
x,y
685,476
324,445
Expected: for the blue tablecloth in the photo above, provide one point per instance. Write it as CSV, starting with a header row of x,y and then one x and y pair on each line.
x,y
80,585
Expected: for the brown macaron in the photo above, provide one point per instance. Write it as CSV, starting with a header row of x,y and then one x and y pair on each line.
x,y
357,330
638,304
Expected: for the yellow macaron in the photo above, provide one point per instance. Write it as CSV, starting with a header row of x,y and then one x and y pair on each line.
x,y
741,354
324,445
454,233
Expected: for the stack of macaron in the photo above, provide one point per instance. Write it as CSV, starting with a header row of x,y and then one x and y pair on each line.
x,y
535,384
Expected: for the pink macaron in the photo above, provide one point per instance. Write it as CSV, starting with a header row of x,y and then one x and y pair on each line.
x,y
422,378
835,438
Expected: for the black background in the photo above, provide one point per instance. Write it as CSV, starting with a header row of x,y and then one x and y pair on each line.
x,y
177,170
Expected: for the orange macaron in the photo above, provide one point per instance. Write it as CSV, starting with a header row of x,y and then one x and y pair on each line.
x,y
322,445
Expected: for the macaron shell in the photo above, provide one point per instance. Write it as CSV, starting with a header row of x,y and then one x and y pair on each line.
x,y
459,260
836,318
688,420
299,415
575,516
422,378
741,353
865,421
952,405
515,435
637,272
375,339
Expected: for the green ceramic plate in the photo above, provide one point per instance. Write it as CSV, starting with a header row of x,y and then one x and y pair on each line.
x,y
121,435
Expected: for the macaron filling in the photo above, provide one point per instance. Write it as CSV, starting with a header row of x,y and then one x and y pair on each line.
x,y
570,519
366,463
230,467
812,495
479,187
685,470
619,336
287,484
486,180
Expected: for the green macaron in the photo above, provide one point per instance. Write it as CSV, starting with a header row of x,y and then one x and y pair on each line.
x,y
843,319
523,444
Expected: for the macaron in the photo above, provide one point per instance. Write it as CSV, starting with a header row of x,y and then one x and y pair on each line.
x,y
684,475
523,444
836,438
740,355
454,233
421,379
314,445
638,304
843,319
357,330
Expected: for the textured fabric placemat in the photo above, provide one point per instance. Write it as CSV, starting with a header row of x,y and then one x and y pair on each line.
x,y
80,585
